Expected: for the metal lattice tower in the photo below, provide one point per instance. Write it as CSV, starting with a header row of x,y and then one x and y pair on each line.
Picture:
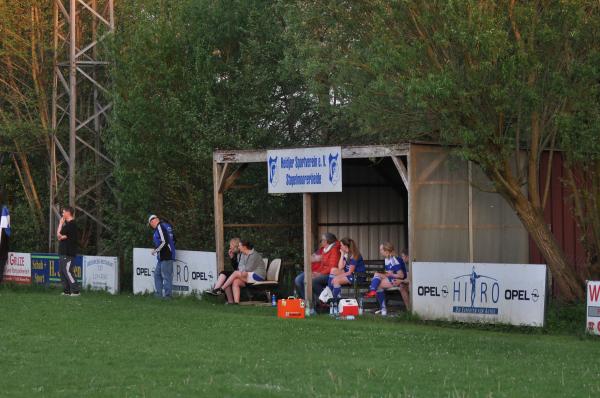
x,y
80,171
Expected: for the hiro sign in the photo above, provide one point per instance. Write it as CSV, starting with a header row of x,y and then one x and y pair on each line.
x,y
480,292
193,271
305,170
593,307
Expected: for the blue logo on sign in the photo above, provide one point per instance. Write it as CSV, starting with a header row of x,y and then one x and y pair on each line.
x,y
334,172
273,170
477,290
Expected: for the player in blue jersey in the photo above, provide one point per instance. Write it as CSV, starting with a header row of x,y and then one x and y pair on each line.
x,y
351,261
395,273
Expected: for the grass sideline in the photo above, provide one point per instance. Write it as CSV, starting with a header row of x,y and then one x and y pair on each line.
x,y
102,345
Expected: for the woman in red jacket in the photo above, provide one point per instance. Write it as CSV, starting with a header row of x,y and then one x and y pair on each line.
x,y
326,258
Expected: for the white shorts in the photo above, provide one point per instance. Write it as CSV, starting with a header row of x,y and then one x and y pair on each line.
x,y
253,278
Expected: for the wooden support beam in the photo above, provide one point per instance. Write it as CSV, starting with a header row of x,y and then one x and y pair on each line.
x,y
262,225
307,221
229,181
374,151
401,169
348,152
218,206
428,171
221,180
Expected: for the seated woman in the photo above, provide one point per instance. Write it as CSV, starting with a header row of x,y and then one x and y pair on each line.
x,y
351,261
322,261
395,273
234,256
250,270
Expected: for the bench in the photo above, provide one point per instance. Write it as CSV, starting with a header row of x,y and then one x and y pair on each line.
x,y
362,281
271,284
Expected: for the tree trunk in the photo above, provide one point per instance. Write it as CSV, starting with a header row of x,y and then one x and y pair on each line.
x,y
563,275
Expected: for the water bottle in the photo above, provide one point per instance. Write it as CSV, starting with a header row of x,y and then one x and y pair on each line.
x,y
273,300
331,309
336,308
360,306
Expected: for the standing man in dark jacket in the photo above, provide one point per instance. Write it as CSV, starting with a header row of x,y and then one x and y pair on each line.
x,y
67,250
164,248
4,235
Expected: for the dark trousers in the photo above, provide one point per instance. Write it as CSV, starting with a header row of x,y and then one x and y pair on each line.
x,y
67,277
3,259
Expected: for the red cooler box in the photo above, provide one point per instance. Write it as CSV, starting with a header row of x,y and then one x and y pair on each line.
x,y
290,308
348,307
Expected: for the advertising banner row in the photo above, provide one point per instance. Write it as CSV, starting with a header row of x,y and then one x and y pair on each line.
x,y
193,271
94,272
476,292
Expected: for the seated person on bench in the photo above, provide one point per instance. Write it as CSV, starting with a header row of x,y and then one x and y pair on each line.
x,y
323,260
350,262
251,269
395,273
234,256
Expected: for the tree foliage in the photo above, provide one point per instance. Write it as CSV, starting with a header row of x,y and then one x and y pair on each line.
x,y
490,79
190,77
25,74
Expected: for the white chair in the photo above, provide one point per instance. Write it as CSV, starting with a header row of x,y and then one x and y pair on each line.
x,y
272,274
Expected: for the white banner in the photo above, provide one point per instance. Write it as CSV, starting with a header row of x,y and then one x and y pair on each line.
x,y
305,170
193,271
593,307
18,268
101,273
478,292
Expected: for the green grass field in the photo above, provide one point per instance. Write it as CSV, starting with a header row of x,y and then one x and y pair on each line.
x,y
102,345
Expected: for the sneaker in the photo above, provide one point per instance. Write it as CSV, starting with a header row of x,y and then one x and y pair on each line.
x,y
65,294
382,312
215,292
371,293
75,294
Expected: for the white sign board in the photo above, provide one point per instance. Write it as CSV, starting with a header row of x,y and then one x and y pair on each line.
x,y
101,273
478,292
18,268
305,170
593,307
193,271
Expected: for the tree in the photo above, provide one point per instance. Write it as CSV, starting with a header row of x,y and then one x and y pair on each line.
x,y
25,70
491,79
190,77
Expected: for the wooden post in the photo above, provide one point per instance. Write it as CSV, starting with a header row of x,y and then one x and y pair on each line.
x,y
308,221
219,232
470,215
412,179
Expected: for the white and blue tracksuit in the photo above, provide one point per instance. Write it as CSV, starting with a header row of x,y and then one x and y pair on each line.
x,y
164,246
4,239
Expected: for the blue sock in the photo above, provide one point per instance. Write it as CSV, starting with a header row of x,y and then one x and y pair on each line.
x,y
337,291
375,283
330,282
381,298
